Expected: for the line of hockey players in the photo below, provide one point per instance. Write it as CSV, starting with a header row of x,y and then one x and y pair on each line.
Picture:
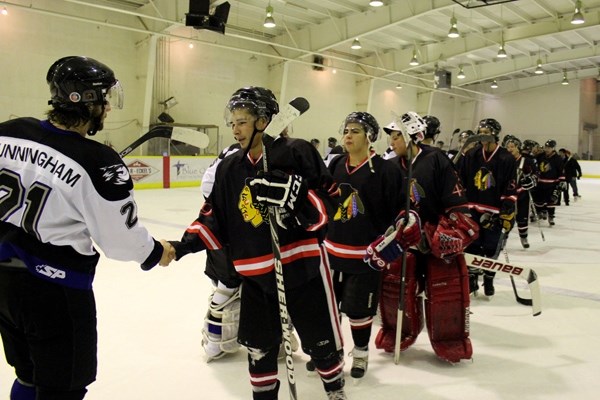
x,y
400,221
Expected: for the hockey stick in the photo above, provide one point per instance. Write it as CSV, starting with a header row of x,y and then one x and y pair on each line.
x,y
452,138
186,135
470,140
511,270
401,299
536,215
279,122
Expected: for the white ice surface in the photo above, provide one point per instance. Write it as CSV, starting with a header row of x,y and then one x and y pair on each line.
x,y
149,325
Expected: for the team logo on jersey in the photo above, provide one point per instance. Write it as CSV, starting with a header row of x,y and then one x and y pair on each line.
x,y
416,192
484,179
545,166
50,272
254,213
350,206
117,174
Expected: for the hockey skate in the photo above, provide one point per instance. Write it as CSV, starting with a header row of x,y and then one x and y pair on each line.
x,y
551,220
543,214
474,280
488,285
524,243
359,363
337,395
311,368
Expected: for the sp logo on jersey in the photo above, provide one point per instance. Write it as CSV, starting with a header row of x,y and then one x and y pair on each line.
x,y
50,272
117,174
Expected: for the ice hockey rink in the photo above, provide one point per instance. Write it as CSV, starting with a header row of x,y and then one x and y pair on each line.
x,y
149,325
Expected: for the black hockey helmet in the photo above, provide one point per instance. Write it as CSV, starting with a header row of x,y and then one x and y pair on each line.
x,y
433,126
465,134
511,139
529,144
76,80
368,122
550,143
259,101
492,125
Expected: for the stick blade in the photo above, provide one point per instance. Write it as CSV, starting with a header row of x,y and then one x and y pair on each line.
x,y
300,104
190,136
287,114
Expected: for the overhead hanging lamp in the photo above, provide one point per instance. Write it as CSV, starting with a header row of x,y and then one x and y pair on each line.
x,y
577,16
269,21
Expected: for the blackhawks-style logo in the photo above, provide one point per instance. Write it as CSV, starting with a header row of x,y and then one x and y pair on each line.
x,y
484,179
351,204
254,213
545,166
416,192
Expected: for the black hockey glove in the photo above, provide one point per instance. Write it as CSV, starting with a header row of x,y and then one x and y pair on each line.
x,y
279,189
507,215
528,181
562,185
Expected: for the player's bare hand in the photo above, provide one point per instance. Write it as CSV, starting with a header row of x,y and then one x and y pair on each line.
x,y
168,253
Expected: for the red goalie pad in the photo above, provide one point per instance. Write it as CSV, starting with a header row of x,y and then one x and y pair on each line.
x,y
412,322
447,308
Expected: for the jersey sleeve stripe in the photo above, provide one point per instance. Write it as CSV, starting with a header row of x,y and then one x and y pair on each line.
x,y
205,234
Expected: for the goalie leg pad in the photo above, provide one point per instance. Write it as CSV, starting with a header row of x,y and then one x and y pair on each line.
x,y
220,332
447,308
412,322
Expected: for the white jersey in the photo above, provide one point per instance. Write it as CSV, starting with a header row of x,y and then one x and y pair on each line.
x,y
58,192
208,179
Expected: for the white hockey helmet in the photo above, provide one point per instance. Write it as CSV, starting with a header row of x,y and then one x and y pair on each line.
x,y
413,126
392,127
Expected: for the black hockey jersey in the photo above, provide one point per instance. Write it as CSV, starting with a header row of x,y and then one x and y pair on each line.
x,y
489,178
551,169
58,191
369,203
435,188
526,166
231,217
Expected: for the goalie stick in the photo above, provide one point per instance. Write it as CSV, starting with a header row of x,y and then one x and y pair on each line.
x,y
186,135
278,123
401,297
511,270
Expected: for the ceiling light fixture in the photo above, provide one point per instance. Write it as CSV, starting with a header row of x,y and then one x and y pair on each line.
x,y
494,85
539,70
578,16
453,32
502,52
375,3
4,11
356,45
461,73
414,61
398,86
565,81
269,21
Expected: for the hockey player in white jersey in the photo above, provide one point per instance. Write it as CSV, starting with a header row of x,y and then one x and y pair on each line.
x,y
58,192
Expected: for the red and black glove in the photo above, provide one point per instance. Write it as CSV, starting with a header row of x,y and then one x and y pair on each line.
x,y
451,235
390,246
